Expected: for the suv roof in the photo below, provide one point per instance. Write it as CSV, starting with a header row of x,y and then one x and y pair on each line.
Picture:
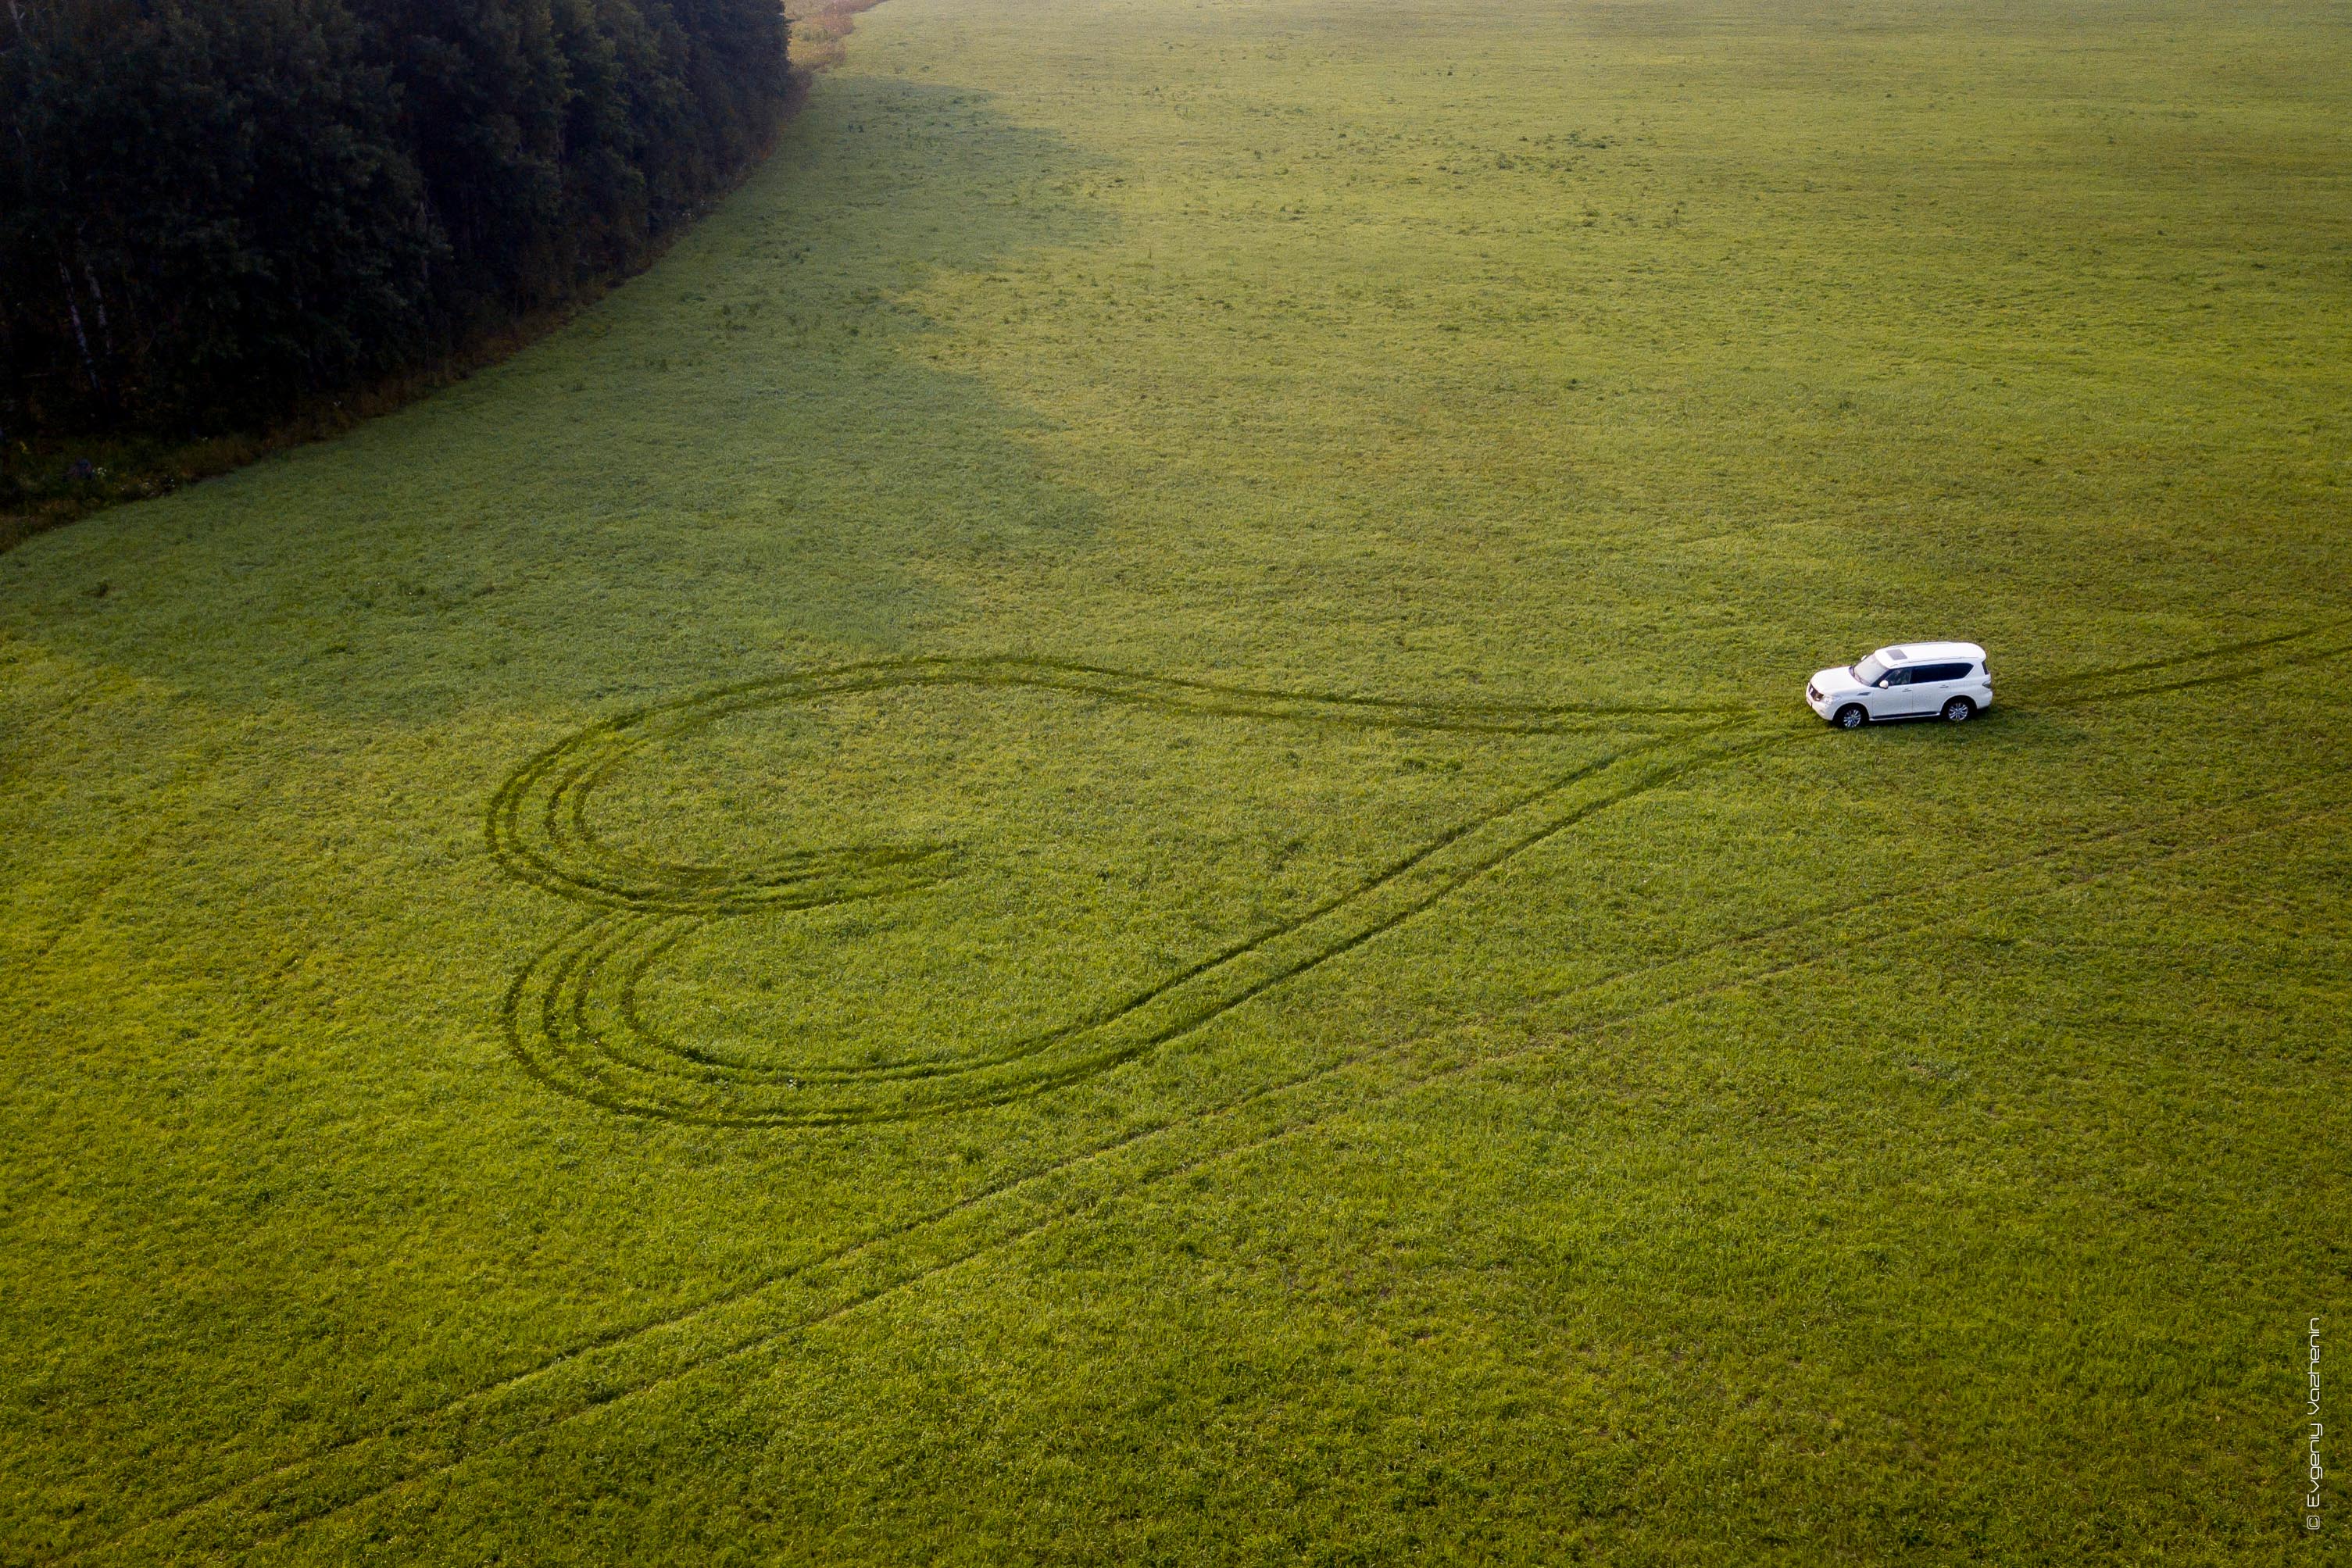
x,y
1912,653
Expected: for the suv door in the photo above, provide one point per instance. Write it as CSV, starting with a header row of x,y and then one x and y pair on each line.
x,y
1932,685
1893,696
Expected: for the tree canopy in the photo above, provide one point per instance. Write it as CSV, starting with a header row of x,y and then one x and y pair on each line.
x,y
212,212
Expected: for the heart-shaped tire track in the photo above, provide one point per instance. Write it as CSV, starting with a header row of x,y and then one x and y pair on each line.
x,y
573,1018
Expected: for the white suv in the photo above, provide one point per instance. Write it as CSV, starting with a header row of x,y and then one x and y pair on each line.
x,y
1917,680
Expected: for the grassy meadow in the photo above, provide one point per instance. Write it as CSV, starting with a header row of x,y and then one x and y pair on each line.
x,y
1093,842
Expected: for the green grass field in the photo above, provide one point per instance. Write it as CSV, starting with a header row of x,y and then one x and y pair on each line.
x,y
1092,841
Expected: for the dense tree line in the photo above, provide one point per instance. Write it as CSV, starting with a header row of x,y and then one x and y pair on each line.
x,y
213,211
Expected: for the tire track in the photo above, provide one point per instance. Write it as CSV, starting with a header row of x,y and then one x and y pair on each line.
x,y
639,1361
572,1017
578,1382
590,1044
1256,1121
2114,683
538,828
1648,772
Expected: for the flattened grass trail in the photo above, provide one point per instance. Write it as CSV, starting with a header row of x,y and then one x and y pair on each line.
x,y
1091,840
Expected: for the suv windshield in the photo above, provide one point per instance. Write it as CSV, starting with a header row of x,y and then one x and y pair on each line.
x,y
1869,670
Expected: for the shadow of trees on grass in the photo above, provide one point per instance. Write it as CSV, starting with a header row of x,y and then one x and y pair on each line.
x,y
740,456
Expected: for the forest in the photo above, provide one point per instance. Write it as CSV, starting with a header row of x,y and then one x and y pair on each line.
x,y
211,215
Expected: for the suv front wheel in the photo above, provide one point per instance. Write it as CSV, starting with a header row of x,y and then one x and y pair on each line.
x,y
1853,715
1959,710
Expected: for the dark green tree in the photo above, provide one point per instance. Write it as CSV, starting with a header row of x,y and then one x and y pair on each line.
x,y
213,212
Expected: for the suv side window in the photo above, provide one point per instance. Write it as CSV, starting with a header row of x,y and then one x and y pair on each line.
x,y
1896,678
1939,673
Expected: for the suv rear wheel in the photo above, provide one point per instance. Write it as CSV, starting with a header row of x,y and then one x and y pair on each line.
x,y
1959,710
1853,715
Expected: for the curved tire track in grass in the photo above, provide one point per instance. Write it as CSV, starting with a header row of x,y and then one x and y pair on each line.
x,y
761,1314
572,1020
753,1327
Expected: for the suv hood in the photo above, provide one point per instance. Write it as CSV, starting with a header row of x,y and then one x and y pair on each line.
x,y
1835,682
